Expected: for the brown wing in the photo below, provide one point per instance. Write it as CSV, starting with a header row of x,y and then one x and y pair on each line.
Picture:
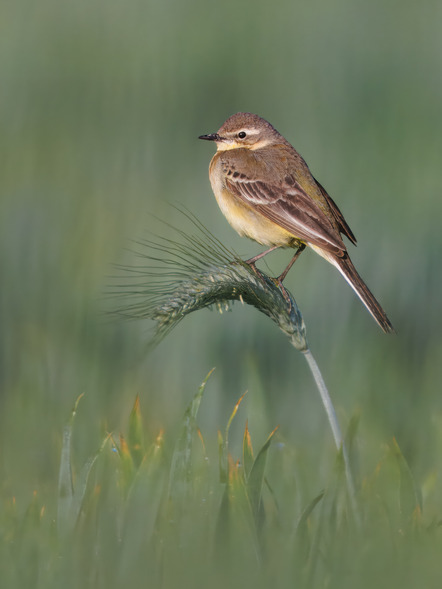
x,y
343,226
290,207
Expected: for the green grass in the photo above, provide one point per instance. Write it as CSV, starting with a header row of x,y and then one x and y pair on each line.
x,y
175,511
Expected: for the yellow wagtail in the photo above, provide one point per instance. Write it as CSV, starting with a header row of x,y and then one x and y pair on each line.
x,y
267,193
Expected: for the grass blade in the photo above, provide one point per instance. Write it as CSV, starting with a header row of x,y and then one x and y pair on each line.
x,y
247,452
256,478
180,471
82,481
65,483
135,438
223,443
410,504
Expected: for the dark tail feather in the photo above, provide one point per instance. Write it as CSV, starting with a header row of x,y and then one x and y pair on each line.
x,y
345,266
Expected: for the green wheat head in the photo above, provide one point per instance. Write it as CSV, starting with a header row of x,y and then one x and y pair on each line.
x,y
178,277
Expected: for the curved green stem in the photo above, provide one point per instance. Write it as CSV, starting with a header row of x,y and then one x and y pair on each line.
x,y
334,425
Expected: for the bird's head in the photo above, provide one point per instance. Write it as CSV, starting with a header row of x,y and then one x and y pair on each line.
x,y
245,130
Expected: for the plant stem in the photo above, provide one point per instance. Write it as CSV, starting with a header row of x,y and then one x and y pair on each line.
x,y
336,430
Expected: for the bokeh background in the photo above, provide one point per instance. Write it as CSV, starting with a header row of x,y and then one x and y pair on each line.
x,y
101,104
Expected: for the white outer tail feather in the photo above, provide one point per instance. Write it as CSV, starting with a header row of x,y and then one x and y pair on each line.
x,y
375,309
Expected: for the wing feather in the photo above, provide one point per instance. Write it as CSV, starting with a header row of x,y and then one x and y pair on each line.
x,y
343,225
291,208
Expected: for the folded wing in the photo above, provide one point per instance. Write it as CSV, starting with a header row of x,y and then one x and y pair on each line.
x,y
291,208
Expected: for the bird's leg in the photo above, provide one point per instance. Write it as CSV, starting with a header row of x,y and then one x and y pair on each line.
x,y
292,261
284,274
251,261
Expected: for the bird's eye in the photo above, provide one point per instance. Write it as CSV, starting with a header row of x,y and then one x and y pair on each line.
x,y
242,134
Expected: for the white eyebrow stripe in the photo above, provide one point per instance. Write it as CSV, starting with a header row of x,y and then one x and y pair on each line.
x,y
251,131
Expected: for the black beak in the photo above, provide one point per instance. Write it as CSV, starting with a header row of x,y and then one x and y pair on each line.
x,y
211,137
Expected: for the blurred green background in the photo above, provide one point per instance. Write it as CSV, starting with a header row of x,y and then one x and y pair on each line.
x,y
101,104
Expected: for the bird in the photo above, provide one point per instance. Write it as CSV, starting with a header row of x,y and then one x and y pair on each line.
x,y
267,193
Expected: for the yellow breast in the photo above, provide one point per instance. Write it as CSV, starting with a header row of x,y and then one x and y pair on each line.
x,y
250,223
244,219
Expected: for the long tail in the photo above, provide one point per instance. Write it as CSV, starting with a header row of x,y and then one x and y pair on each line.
x,y
348,271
